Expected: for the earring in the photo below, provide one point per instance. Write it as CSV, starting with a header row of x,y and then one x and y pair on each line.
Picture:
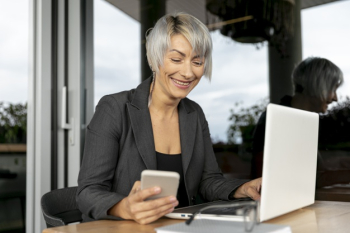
x,y
150,93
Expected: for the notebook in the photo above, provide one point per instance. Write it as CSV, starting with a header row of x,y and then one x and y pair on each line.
x,y
289,168
210,226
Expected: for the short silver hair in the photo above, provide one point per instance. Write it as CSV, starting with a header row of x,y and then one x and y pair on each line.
x,y
158,39
317,77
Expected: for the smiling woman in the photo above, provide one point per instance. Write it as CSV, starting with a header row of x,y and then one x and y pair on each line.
x,y
131,132
181,72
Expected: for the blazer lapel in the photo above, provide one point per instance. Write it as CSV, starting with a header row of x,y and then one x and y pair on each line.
x,y
188,127
142,125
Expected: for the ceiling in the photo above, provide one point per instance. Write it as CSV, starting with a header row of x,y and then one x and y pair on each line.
x,y
193,7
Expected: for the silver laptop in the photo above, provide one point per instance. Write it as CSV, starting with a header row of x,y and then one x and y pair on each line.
x,y
289,168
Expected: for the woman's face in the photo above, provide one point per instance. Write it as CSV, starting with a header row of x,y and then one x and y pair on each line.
x,y
322,105
331,97
181,71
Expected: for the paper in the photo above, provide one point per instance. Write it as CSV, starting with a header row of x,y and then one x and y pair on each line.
x,y
210,226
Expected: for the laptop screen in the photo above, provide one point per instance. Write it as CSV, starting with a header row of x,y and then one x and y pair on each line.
x,y
290,158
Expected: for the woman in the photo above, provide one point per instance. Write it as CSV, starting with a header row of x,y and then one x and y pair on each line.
x,y
156,127
315,81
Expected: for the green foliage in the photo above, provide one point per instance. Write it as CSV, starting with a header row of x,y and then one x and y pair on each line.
x,y
244,119
13,122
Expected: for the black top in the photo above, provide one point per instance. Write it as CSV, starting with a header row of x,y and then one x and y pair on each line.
x,y
167,162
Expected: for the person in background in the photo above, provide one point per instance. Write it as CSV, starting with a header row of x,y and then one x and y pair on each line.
x,y
315,82
156,126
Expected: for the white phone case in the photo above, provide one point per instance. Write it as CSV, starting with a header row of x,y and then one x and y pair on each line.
x,y
167,181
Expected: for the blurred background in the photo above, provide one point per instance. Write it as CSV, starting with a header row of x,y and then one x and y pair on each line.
x,y
252,63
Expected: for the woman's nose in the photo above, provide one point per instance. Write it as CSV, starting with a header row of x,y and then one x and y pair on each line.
x,y
334,96
186,70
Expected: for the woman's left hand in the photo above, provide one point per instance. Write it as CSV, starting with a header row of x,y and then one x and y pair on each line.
x,y
250,189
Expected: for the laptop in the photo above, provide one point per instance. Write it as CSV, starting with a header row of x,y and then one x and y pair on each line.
x,y
289,168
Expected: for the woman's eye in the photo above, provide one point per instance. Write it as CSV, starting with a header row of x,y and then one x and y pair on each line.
x,y
176,60
198,63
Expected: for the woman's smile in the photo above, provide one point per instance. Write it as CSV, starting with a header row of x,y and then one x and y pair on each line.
x,y
181,84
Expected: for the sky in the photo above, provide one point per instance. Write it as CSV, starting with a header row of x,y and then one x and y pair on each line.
x,y
14,44
240,71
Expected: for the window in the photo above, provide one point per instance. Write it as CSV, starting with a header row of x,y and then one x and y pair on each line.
x,y
13,93
116,49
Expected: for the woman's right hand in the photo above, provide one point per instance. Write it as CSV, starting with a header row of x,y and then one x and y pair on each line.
x,y
136,208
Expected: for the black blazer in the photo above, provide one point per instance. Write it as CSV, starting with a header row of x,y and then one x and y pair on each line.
x,y
119,145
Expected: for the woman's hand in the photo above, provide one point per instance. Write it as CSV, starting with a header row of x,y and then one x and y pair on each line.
x,y
250,189
136,208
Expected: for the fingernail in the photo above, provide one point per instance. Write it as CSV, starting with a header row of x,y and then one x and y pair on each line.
x,y
156,190
175,203
172,199
171,210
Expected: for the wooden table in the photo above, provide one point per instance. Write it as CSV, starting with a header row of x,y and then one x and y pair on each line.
x,y
323,216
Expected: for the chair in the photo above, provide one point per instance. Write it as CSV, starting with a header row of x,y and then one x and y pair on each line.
x,y
60,208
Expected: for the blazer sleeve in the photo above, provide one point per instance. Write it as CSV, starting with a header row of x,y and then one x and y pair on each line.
x,y
94,195
213,185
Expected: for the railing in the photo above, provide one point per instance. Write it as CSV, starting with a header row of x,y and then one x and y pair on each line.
x,y
13,148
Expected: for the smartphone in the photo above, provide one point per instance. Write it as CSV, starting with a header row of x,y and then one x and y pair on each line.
x,y
167,181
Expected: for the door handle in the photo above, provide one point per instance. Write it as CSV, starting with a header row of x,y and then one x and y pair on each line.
x,y
65,125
